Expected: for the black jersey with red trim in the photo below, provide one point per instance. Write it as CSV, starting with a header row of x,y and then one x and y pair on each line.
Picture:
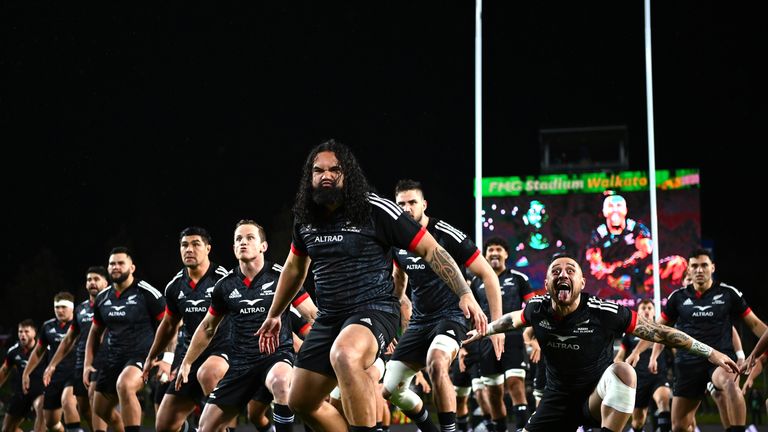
x,y
579,346
431,298
131,318
18,357
247,303
629,342
51,335
299,325
190,301
352,264
707,318
515,290
82,325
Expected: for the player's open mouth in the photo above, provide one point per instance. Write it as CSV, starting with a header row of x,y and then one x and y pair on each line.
x,y
563,291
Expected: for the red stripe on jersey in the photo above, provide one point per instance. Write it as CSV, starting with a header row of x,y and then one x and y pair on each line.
x,y
746,312
522,317
300,300
71,326
416,239
39,342
624,347
394,261
472,258
665,317
212,311
168,311
247,282
296,251
529,296
160,316
305,328
632,323
96,322
192,284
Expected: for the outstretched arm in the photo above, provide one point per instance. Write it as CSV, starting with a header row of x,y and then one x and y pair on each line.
x,y
669,336
446,268
508,321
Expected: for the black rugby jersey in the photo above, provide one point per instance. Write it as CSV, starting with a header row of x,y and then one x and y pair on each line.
x,y
51,334
248,302
431,298
82,325
515,289
18,357
629,342
190,301
352,265
579,346
131,318
707,318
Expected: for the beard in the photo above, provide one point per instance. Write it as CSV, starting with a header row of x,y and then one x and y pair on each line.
x,y
324,196
122,278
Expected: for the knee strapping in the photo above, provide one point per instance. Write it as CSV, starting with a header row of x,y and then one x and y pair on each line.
x,y
477,384
615,393
516,373
444,343
493,380
397,383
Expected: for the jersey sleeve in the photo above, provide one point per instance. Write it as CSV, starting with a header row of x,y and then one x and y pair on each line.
x,y
527,314
172,299
669,312
218,301
298,247
155,301
526,292
298,324
75,326
458,245
393,226
621,321
300,297
43,338
739,306
97,318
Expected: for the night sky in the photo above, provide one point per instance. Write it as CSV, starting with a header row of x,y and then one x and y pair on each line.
x,y
127,125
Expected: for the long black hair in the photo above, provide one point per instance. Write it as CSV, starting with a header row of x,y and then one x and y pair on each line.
x,y
354,190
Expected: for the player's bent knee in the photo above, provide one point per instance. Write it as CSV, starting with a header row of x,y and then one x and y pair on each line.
x,y
625,373
615,393
405,399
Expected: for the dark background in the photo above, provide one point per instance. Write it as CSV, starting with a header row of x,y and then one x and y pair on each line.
x,y
122,125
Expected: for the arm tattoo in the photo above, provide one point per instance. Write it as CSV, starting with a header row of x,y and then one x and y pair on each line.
x,y
700,349
669,336
501,325
445,267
